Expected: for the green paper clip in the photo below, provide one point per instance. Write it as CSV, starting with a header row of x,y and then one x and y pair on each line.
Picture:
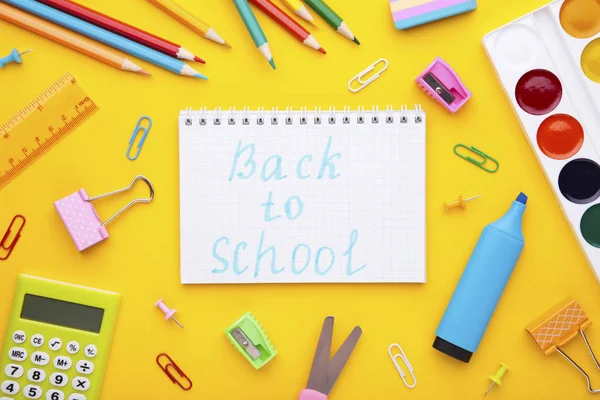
x,y
479,163
250,339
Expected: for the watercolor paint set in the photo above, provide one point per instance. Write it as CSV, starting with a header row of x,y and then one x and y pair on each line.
x,y
548,62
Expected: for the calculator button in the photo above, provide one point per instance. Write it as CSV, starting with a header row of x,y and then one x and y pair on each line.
x,y
55,394
84,367
19,337
37,340
10,387
36,375
73,347
14,371
55,344
32,392
6,398
90,351
40,358
17,354
58,379
77,396
62,362
80,383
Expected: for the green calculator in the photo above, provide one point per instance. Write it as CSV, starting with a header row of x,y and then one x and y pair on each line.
x,y
57,341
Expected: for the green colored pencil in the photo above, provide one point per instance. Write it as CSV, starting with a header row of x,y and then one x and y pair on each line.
x,y
256,32
332,18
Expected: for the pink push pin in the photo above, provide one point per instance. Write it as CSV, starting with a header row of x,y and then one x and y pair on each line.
x,y
169,313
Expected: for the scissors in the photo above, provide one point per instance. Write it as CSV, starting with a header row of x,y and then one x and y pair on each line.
x,y
324,372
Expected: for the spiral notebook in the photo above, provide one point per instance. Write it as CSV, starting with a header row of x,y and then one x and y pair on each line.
x,y
302,196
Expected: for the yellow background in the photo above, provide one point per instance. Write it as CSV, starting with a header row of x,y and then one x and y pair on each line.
x,y
141,258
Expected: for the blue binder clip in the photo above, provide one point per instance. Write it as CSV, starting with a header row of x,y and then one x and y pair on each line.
x,y
137,129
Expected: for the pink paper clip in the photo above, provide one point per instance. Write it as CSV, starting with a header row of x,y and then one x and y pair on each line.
x,y
82,221
11,247
442,84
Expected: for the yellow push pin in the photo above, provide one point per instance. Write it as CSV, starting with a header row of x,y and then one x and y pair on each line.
x,y
497,378
460,202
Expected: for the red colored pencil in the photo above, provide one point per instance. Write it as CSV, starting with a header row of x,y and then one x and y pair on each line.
x,y
288,23
120,28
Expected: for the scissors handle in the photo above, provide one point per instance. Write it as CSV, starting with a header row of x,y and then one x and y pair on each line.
x,y
309,394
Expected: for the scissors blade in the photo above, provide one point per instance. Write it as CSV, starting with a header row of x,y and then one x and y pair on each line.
x,y
339,360
317,380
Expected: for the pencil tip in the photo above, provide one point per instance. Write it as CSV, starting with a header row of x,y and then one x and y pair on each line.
x,y
201,76
356,40
227,44
272,62
322,50
143,71
198,59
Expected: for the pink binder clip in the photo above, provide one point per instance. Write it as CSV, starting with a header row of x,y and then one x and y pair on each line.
x,y
82,221
442,84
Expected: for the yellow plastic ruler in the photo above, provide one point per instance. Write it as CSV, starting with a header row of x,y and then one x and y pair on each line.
x,y
42,123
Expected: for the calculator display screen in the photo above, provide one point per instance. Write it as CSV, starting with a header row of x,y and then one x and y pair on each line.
x,y
62,313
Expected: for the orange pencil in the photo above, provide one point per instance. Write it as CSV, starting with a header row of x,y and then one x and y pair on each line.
x,y
66,38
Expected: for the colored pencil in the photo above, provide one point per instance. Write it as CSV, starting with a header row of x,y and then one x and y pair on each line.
x,y
104,36
257,34
189,20
297,7
122,29
67,38
288,23
332,18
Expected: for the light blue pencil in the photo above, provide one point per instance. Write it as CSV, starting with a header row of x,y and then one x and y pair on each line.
x,y
257,34
105,37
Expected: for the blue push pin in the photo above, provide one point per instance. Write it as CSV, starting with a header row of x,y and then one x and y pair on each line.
x,y
14,56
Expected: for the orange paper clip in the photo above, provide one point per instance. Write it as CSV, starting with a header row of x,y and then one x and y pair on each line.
x,y
171,364
15,239
558,327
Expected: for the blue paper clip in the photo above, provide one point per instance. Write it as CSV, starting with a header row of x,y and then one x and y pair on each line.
x,y
137,129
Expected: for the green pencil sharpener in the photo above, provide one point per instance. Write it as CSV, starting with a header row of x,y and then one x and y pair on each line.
x,y
251,340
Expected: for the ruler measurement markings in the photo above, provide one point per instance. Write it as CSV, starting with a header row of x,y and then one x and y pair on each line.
x,y
28,160
71,95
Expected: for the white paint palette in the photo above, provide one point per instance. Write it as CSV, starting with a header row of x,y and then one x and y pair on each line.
x,y
548,63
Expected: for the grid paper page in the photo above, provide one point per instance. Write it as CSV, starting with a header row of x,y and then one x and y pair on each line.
x,y
328,200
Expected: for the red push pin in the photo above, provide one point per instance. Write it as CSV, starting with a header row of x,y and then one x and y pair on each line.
x,y
169,313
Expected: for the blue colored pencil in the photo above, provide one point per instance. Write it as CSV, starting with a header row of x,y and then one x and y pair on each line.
x,y
106,37
257,34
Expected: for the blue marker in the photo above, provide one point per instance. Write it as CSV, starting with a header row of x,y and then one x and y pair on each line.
x,y
482,284
104,36
14,56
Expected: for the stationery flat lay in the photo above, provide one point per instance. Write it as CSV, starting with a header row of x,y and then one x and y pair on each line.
x,y
299,199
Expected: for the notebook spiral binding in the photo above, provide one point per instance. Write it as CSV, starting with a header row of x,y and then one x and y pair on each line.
x,y
289,116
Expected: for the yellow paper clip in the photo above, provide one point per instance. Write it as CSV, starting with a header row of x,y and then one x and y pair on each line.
x,y
482,158
359,77
558,327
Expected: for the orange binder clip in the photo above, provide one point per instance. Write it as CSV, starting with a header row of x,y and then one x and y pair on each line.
x,y
171,364
10,247
558,327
